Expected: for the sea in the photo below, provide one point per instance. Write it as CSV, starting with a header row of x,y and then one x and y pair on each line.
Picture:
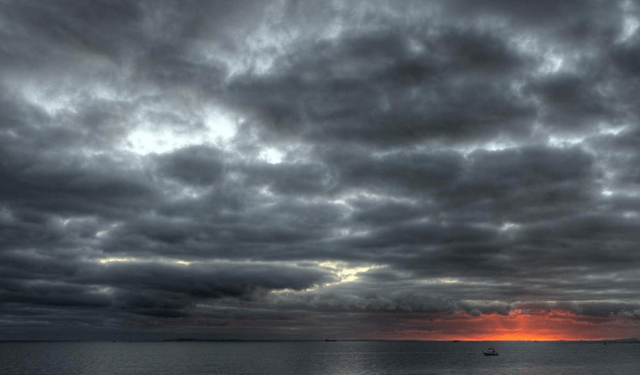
x,y
341,357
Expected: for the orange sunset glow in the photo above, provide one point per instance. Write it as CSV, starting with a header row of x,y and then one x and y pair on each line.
x,y
529,325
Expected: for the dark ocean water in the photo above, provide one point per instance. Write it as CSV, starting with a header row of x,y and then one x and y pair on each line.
x,y
317,358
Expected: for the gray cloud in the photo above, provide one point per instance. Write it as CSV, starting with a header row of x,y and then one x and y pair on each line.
x,y
253,166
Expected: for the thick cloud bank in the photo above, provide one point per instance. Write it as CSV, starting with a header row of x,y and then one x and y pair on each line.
x,y
298,169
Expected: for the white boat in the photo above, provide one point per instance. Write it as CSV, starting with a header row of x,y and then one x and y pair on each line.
x,y
490,351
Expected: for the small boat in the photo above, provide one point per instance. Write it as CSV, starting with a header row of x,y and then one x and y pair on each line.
x,y
490,351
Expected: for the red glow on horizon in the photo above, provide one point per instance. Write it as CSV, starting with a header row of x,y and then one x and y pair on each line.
x,y
525,325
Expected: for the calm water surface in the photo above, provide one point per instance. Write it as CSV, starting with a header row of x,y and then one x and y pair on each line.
x,y
317,358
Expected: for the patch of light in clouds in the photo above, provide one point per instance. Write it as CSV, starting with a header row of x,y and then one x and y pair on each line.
x,y
345,272
509,226
558,141
630,23
271,155
103,233
149,137
439,281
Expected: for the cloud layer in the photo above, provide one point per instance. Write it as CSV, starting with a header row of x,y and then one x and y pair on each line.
x,y
261,169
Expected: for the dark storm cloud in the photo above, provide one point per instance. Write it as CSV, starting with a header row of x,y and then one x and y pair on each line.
x,y
193,165
626,57
148,288
407,171
291,179
573,101
67,184
314,161
393,87
517,184
619,154
58,28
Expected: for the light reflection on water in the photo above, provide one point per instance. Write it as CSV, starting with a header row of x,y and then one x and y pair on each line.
x,y
317,358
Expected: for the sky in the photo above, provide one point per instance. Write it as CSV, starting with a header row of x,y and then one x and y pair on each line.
x,y
420,170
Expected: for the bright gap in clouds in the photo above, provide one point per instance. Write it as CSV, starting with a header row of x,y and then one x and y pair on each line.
x,y
153,129
344,273
148,137
271,155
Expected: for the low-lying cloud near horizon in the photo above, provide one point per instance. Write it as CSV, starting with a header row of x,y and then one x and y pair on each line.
x,y
308,169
